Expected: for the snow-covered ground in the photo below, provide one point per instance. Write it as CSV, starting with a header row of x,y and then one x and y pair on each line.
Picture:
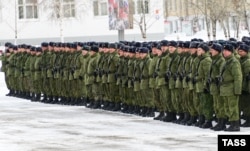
x,y
34,126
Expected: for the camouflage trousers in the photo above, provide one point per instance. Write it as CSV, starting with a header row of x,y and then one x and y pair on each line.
x,y
206,105
176,100
165,99
219,106
147,98
113,92
231,107
244,104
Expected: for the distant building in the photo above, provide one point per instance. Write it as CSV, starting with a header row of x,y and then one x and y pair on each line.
x,y
34,21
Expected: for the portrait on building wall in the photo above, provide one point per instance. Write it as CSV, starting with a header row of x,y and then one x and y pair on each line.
x,y
119,16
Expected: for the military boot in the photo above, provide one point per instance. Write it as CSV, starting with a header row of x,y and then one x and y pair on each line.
x,y
130,109
27,95
33,97
105,105
96,105
143,111
10,93
90,104
55,100
160,116
207,124
247,122
192,121
150,112
110,106
83,101
234,126
170,117
38,97
220,125
185,119
181,117
44,98
50,99
201,120
124,108
117,107
136,110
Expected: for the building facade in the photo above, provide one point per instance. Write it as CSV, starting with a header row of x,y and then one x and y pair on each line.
x,y
34,21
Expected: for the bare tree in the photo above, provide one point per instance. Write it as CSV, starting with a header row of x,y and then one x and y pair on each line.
x,y
214,11
144,20
58,10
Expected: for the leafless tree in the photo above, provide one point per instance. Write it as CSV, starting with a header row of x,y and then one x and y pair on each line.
x,y
144,18
57,11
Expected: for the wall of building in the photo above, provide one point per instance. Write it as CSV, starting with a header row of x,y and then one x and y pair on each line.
x,y
85,27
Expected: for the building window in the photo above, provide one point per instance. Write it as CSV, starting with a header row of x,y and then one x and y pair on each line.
x,y
100,8
27,9
68,8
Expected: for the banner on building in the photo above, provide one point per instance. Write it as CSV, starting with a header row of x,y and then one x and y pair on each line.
x,y
120,15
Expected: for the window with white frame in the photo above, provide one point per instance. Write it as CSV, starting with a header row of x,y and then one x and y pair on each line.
x,y
68,8
27,9
100,7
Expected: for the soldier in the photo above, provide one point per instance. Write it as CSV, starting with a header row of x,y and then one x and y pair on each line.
x,y
75,68
24,73
124,80
178,82
154,69
44,46
91,76
185,69
230,87
136,82
192,97
5,66
120,76
146,94
32,72
67,57
103,47
217,63
202,88
244,98
37,78
56,71
11,71
130,74
83,73
103,68
172,68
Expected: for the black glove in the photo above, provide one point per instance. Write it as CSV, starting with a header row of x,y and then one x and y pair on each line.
x,y
248,77
175,77
206,90
80,77
167,76
155,74
116,76
181,76
218,80
187,79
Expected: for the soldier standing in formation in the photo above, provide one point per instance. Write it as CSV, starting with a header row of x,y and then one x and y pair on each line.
x,y
180,80
245,66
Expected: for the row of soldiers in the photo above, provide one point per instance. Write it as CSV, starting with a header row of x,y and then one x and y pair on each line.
x,y
186,82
